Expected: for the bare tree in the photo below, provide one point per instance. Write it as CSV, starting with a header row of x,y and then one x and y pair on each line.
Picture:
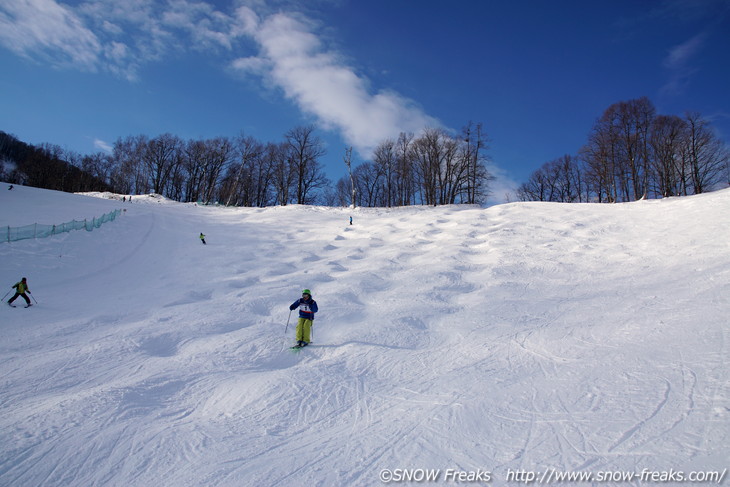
x,y
475,142
243,181
283,174
261,174
435,168
385,161
220,154
427,157
405,184
599,157
368,178
304,151
537,188
707,155
342,193
99,165
667,139
314,179
128,154
442,168
560,180
633,153
194,163
620,143
159,157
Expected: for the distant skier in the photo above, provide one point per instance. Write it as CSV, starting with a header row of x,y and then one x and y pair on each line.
x,y
10,188
20,289
202,238
350,220
307,307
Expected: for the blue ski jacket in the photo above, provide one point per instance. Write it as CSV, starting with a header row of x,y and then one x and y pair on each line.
x,y
307,307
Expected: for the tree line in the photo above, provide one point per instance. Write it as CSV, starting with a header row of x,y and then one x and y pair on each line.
x,y
239,171
435,168
633,153
44,166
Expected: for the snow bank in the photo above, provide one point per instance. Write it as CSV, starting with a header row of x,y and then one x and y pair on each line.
x,y
526,338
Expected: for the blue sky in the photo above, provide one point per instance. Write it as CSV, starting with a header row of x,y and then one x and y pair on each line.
x,y
537,74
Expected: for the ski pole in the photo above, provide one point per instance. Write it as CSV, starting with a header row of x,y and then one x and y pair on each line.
x,y
283,342
287,323
31,295
6,295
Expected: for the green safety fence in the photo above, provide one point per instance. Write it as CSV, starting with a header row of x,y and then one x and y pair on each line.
x,y
12,234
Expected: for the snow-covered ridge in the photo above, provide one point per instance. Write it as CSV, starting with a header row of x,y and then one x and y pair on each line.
x,y
522,337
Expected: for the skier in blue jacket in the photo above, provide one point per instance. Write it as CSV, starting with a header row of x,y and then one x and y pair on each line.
x,y
307,307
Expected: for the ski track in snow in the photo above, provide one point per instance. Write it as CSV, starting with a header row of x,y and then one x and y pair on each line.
x,y
522,336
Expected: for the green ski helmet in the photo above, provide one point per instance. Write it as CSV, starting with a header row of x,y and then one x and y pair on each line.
x,y
307,291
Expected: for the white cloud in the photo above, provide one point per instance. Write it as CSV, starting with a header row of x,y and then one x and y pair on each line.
x,y
207,27
89,37
104,146
246,22
679,56
679,63
254,65
120,37
503,189
322,85
111,28
48,29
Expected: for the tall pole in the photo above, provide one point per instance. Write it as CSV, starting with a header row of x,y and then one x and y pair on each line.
x,y
348,163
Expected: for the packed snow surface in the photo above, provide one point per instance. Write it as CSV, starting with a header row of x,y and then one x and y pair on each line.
x,y
521,339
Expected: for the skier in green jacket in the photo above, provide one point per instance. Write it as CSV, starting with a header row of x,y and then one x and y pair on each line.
x,y
20,289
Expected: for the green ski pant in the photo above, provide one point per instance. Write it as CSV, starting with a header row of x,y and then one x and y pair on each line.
x,y
304,329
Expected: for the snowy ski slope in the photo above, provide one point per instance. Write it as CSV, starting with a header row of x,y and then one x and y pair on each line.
x,y
526,339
